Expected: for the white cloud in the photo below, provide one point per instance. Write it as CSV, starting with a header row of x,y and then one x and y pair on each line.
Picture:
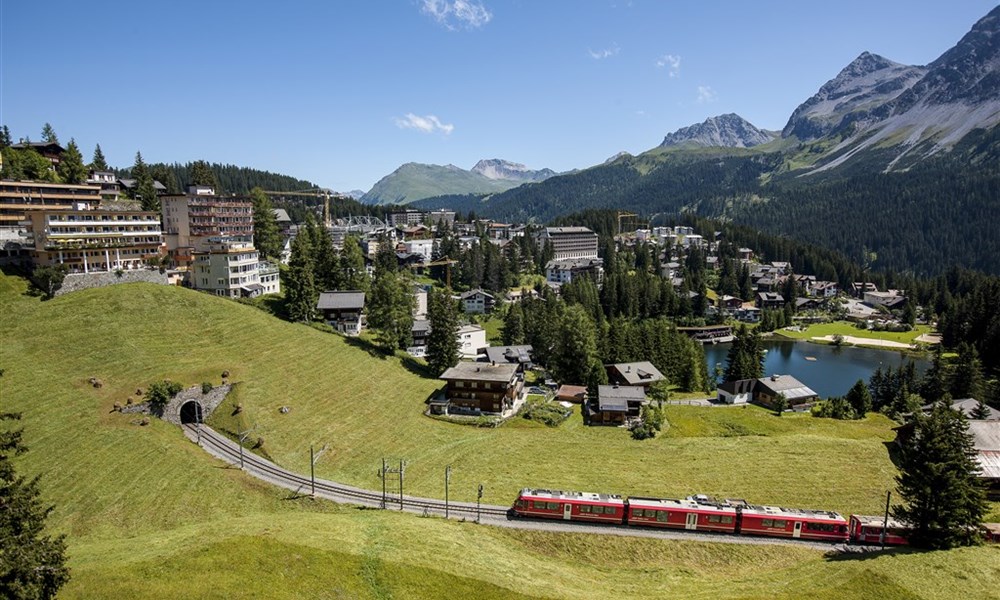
x,y
671,63
425,124
706,94
468,14
613,50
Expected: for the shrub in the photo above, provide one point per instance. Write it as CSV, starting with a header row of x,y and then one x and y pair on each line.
x,y
160,392
545,412
651,421
206,387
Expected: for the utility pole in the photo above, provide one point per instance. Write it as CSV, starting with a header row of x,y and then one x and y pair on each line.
x,y
447,479
479,498
402,470
885,522
312,465
382,475
243,436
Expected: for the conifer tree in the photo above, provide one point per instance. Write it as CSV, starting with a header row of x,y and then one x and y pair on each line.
x,y
49,134
352,265
298,283
442,341
32,564
860,399
576,349
967,380
98,163
943,499
71,168
144,191
745,359
203,174
266,237
390,309
5,139
513,325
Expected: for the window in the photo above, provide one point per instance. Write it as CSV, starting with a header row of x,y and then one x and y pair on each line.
x,y
553,506
585,508
780,523
766,523
820,527
661,516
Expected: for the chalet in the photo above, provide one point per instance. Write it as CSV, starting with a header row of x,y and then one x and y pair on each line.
x,y
476,388
730,302
670,270
518,355
615,404
712,262
418,333
521,294
889,299
639,374
736,392
471,339
782,267
825,289
767,389
807,303
771,300
343,310
708,333
966,406
423,247
767,283
284,222
858,288
409,260
745,254
577,394
477,302
416,232
986,440
52,151
747,314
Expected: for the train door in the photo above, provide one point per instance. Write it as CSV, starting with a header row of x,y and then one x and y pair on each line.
x,y
692,521
797,530
567,511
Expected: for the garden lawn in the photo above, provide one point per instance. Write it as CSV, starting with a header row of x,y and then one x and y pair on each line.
x,y
846,328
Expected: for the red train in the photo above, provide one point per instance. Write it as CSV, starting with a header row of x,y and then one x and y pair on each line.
x,y
702,513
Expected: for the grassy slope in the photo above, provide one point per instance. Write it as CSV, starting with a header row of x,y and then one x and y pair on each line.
x,y
149,514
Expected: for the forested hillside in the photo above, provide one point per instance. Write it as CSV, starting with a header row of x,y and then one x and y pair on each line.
x,y
231,179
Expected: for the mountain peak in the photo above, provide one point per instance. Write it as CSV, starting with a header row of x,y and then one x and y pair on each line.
x,y
728,131
499,169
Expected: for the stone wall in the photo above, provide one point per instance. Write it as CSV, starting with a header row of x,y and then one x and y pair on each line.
x,y
75,282
172,411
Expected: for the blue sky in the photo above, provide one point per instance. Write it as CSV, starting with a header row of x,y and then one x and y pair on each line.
x,y
343,92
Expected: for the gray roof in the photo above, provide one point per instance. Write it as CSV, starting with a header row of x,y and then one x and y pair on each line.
x,y
574,263
341,300
471,293
566,230
281,215
638,373
477,371
986,435
421,325
791,387
741,386
130,183
616,398
966,406
511,354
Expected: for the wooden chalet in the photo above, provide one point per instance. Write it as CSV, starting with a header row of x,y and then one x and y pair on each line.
x,y
642,374
476,387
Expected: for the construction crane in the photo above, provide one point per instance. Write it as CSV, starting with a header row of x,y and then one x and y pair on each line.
x,y
317,193
623,214
443,261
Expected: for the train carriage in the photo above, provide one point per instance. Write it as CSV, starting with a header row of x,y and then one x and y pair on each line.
x,y
570,506
689,514
794,523
868,530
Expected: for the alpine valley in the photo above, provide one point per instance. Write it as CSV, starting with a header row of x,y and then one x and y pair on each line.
x,y
894,165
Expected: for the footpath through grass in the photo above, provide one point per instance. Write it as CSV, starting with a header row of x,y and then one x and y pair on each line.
x,y
148,514
846,328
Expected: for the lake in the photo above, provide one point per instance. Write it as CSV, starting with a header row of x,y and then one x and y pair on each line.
x,y
832,373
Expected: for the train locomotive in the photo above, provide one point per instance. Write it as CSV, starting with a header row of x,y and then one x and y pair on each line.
x,y
706,514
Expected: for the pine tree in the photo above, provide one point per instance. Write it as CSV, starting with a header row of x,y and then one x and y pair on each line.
x,y
576,349
298,283
860,399
352,266
935,381
745,359
71,168
266,237
326,263
203,174
49,134
390,310
967,380
981,411
144,191
5,139
943,499
32,564
442,342
513,325
98,163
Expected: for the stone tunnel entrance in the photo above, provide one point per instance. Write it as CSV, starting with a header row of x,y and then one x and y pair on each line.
x,y
191,412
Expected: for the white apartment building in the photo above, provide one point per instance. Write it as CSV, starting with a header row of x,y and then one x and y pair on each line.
x,y
229,267
94,240
270,277
570,242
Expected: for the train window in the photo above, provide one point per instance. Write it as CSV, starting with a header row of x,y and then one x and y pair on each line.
x,y
661,516
767,522
780,523
585,508
714,519
598,510
727,520
820,527
553,506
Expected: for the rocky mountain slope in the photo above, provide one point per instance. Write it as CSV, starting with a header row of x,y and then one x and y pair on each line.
x,y
727,131
416,181
496,168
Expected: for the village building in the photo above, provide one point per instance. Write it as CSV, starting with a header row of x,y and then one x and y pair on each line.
x,y
406,217
227,266
889,299
767,389
517,355
269,277
18,197
770,300
472,340
419,333
192,220
736,392
476,387
344,311
558,272
569,242
615,404
708,333
477,302
93,240
986,441
441,217
642,374
577,394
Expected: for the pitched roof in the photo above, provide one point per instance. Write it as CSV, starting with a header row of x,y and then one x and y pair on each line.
x,y
985,435
477,371
341,300
791,387
511,354
637,373
741,386
281,215
471,293
616,397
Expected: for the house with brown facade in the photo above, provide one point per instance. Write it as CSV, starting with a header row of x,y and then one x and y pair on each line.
x,y
477,388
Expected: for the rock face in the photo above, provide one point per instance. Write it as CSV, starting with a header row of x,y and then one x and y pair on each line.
x,y
868,83
496,168
727,131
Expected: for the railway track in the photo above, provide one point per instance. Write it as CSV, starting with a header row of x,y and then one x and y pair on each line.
x,y
225,449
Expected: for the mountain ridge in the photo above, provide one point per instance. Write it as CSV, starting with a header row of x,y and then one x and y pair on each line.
x,y
724,131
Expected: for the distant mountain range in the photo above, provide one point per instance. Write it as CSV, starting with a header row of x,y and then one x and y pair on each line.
x,y
882,155
416,181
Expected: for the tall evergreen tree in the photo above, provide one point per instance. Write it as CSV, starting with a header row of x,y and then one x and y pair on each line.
x,y
144,191
32,564
745,359
938,481
49,134
352,265
71,168
967,380
576,350
326,263
860,399
5,139
513,325
203,174
266,237
442,342
934,384
98,163
390,310
298,283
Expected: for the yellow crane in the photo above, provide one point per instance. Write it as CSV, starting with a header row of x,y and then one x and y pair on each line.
x,y
621,215
317,193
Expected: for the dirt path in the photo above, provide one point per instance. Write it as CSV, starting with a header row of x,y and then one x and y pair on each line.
x,y
857,341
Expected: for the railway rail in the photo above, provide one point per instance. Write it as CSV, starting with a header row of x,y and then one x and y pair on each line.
x,y
227,450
